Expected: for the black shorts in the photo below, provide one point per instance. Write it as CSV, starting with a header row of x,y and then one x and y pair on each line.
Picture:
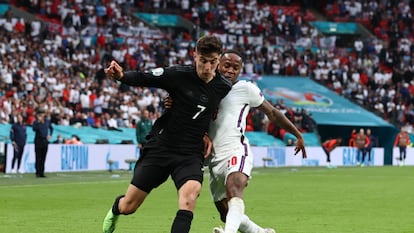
x,y
154,167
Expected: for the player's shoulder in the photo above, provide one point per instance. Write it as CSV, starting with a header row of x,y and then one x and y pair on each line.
x,y
225,80
245,84
182,68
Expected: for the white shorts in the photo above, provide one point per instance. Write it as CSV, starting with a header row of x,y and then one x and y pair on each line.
x,y
239,159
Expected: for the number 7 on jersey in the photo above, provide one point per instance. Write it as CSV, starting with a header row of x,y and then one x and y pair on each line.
x,y
202,108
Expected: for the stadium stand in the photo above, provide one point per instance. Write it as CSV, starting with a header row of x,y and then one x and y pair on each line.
x,y
52,55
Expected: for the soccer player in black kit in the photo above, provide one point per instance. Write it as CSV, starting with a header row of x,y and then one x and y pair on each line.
x,y
175,146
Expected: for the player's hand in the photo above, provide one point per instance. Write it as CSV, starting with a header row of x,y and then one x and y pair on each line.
x,y
208,145
114,71
300,146
168,102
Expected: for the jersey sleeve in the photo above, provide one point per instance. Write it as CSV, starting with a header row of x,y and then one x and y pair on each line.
x,y
158,77
255,95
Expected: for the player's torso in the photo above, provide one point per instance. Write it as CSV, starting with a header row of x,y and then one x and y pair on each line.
x,y
194,103
229,123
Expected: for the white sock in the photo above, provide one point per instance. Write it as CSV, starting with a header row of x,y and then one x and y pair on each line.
x,y
248,226
234,215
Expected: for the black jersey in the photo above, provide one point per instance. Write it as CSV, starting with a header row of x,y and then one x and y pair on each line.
x,y
183,126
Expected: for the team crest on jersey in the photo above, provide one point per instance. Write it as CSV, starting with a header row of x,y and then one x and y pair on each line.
x,y
204,98
157,71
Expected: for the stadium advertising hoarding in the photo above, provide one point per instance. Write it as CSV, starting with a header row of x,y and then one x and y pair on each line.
x,y
67,158
90,157
341,156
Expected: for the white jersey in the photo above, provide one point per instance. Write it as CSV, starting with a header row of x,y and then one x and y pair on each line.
x,y
228,126
231,149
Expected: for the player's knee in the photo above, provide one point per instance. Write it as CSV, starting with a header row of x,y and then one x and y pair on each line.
x,y
235,189
187,200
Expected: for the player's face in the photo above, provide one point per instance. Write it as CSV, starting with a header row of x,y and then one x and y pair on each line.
x,y
230,66
206,65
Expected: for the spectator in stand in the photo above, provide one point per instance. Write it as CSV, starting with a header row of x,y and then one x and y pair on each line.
x,y
379,56
90,119
111,122
79,120
402,140
308,123
59,139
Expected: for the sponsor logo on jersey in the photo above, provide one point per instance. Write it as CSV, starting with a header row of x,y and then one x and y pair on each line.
x,y
157,71
203,98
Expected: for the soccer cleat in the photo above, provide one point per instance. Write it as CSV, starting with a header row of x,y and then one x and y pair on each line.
x,y
269,230
13,171
331,166
218,230
109,222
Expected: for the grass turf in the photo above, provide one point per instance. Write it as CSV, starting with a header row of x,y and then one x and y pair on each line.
x,y
292,200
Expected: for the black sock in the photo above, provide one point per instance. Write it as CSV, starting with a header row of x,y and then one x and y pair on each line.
x,y
182,222
115,208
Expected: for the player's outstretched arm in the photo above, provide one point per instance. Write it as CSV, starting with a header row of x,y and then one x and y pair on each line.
x,y
279,119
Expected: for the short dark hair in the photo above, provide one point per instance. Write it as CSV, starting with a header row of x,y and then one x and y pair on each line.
x,y
228,51
209,44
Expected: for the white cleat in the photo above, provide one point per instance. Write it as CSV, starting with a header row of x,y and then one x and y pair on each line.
x,y
218,230
21,171
269,230
13,171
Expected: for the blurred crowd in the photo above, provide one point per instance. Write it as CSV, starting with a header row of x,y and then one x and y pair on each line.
x,y
56,63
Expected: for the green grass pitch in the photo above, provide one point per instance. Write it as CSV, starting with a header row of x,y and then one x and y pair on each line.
x,y
292,200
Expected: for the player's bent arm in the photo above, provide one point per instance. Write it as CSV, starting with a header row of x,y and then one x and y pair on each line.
x,y
279,119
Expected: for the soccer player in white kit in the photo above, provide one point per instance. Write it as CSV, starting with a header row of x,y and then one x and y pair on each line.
x,y
232,160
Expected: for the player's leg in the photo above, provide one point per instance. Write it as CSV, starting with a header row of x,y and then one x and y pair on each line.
x,y
187,174
217,178
248,226
239,170
148,174
235,184
187,198
124,204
